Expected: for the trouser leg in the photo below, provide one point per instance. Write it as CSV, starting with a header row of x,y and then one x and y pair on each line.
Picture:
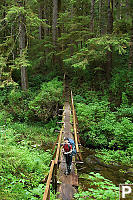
x,y
69,163
66,158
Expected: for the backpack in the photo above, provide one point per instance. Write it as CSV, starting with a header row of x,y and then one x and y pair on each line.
x,y
71,141
68,147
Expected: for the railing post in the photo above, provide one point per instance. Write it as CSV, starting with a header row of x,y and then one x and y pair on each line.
x,y
55,178
57,157
46,195
48,198
64,85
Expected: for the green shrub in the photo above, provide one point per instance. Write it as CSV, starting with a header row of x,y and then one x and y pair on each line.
x,y
22,168
100,188
89,117
34,106
100,127
121,86
34,133
113,157
18,104
5,118
123,134
46,103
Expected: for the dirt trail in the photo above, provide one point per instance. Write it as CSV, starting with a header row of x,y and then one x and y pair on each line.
x,y
68,183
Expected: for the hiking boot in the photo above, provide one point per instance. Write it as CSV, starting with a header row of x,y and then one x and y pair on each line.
x,y
69,171
66,173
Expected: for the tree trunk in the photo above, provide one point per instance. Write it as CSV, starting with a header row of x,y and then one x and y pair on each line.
x,y
118,5
0,76
45,17
41,30
4,22
54,24
92,16
59,10
127,9
130,64
101,17
109,31
110,17
72,45
22,45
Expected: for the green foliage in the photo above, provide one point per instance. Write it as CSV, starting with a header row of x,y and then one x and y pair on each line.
x,y
121,86
22,61
2,62
119,156
29,105
101,127
123,133
35,134
89,121
121,26
14,12
45,104
101,188
5,118
22,168
23,164
18,104
96,50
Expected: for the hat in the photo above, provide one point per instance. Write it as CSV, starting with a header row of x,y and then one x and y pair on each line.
x,y
65,138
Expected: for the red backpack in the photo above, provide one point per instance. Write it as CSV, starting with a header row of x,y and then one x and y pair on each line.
x,y
67,147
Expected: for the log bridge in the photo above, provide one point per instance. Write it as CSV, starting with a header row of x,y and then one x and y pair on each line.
x,y
63,185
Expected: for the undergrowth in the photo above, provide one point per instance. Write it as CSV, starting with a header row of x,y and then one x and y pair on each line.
x,y
99,188
22,168
104,129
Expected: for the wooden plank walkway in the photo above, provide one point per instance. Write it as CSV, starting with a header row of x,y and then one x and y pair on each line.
x,y
67,184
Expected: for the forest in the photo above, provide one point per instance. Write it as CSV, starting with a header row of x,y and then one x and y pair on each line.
x,y
91,41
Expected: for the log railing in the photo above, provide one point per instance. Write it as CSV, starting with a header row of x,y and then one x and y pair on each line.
x,y
53,169
46,195
75,128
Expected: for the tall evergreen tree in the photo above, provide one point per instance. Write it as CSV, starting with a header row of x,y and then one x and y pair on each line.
x,y
109,31
130,64
41,16
92,16
22,46
54,24
102,17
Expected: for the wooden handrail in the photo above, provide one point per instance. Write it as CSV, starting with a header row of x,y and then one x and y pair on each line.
x,y
58,147
75,128
47,189
53,167
55,143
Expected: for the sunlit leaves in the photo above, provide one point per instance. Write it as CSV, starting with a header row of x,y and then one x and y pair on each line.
x,y
22,61
2,62
14,12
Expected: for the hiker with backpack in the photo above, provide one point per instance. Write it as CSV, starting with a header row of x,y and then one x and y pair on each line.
x,y
68,151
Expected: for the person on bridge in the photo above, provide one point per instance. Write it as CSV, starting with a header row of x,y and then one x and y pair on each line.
x,y
67,151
